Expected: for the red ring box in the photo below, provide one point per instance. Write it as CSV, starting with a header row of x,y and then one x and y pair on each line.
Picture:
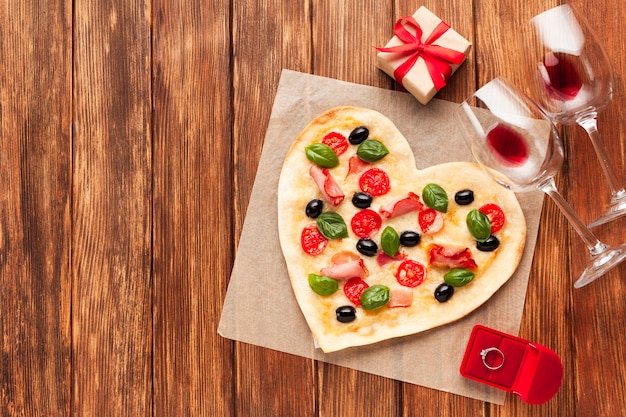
x,y
528,369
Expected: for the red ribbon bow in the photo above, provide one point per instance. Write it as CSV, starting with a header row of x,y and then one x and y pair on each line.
x,y
438,59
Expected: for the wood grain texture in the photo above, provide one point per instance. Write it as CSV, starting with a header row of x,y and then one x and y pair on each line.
x,y
192,247
267,36
349,54
111,210
35,193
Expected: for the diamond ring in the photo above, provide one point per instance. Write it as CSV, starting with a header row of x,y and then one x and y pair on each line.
x,y
496,362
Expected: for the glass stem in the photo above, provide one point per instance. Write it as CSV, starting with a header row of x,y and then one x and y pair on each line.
x,y
591,126
593,244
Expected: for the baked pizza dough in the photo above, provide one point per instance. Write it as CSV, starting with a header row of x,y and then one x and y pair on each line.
x,y
401,307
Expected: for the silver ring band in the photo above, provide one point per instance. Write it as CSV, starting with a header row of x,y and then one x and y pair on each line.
x,y
485,352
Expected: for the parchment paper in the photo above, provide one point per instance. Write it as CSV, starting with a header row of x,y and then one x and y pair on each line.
x,y
260,307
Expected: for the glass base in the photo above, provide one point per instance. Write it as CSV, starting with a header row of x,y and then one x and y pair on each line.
x,y
616,210
601,263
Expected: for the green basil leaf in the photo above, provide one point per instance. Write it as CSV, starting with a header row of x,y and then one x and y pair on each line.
x,y
478,225
322,154
332,225
374,297
323,285
458,277
435,197
390,241
371,150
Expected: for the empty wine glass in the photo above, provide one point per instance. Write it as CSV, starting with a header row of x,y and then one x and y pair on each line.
x,y
572,81
519,147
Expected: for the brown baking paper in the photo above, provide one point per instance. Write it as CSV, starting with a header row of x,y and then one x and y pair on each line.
x,y
260,307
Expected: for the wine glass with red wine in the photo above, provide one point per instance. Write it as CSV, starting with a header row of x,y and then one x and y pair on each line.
x,y
517,144
572,81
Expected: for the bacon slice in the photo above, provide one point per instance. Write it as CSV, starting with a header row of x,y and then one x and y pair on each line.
x,y
356,165
343,257
327,185
383,259
400,297
410,202
452,256
346,270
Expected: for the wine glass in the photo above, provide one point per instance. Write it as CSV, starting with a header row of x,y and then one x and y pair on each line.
x,y
572,81
519,147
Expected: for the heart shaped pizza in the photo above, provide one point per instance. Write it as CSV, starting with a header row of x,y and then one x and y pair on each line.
x,y
376,248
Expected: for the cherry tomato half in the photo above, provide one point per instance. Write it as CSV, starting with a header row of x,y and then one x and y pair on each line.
x,y
313,242
366,223
495,214
337,142
375,182
353,288
410,273
430,221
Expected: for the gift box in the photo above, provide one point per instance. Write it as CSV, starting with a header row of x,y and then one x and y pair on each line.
x,y
513,364
423,54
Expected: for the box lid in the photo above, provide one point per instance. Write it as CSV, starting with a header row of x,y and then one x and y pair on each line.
x,y
513,364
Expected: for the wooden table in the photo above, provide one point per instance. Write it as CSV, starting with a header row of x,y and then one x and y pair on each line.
x,y
130,137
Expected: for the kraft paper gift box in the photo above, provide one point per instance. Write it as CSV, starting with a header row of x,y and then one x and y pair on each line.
x,y
423,54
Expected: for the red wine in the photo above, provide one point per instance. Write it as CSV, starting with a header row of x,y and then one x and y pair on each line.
x,y
563,81
508,145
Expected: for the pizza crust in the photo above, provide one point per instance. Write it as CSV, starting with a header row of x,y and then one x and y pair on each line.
x,y
296,189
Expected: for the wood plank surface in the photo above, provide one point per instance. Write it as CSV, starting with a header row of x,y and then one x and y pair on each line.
x,y
131,133
112,210
35,197
192,245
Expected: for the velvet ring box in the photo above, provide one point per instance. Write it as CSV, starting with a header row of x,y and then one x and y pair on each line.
x,y
510,363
